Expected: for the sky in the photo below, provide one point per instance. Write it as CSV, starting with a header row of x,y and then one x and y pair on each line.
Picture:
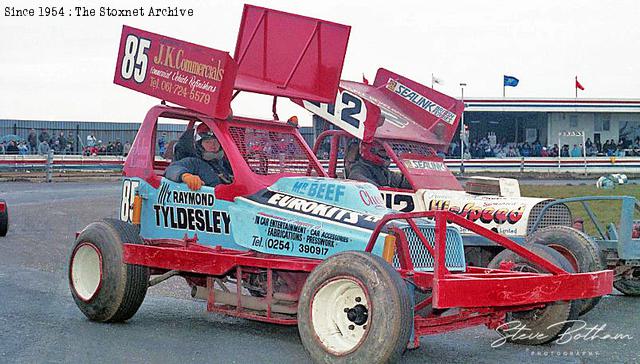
x,y
61,68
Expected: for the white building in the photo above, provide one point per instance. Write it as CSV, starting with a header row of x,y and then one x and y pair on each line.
x,y
519,120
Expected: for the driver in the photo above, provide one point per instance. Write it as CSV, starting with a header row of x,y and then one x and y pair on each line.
x,y
209,167
373,167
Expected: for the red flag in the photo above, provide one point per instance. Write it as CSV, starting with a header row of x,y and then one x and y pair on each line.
x,y
364,80
578,85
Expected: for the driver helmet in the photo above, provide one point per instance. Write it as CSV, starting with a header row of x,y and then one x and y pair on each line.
x,y
202,133
375,153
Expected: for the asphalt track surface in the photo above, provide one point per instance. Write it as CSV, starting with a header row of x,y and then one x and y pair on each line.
x,y
39,321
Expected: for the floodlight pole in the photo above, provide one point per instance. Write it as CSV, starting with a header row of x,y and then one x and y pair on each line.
x,y
462,132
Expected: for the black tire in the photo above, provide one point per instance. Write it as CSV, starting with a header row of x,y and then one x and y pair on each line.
x,y
122,287
579,248
387,329
4,219
629,284
544,321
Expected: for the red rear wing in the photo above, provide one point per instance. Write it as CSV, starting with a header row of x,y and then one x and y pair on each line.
x,y
424,106
187,74
289,55
393,108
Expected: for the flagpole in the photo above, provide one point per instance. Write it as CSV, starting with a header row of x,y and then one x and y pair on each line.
x,y
576,86
431,79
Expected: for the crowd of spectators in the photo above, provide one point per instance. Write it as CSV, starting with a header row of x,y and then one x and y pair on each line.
x,y
488,148
62,143
97,147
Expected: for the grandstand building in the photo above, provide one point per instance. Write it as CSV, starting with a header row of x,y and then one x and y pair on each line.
x,y
525,120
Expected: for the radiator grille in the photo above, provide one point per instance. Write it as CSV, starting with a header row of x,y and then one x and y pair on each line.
x,y
422,259
556,215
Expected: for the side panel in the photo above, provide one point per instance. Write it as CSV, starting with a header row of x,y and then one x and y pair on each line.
x,y
300,227
173,211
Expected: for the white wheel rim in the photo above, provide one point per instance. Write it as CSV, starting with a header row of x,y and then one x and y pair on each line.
x,y
331,324
86,271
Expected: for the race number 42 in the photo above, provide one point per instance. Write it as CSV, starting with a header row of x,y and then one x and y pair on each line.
x,y
348,112
135,60
128,194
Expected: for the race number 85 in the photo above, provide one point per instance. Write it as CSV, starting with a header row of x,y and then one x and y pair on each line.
x,y
128,194
134,62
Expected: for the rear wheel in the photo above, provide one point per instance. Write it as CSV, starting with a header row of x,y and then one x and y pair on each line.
x,y
103,287
577,247
4,218
544,324
629,283
354,308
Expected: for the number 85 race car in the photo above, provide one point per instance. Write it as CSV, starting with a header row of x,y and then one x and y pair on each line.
x,y
281,242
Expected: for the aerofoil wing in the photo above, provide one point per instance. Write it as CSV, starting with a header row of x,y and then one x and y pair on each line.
x,y
394,107
276,53
289,55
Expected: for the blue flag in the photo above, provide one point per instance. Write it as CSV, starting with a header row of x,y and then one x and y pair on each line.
x,y
510,81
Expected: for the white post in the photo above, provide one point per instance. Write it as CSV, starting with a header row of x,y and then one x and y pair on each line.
x,y
559,151
584,152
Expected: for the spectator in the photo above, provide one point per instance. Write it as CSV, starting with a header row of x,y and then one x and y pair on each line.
x,y
544,152
12,148
162,143
44,136
43,148
91,140
117,148
23,149
61,143
32,139
588,143
126,149
576,152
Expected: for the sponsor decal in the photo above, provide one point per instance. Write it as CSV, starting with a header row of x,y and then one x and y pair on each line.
x,y
486,214
317,209
425,165
281,234
324,191
197,214
421,101
369,199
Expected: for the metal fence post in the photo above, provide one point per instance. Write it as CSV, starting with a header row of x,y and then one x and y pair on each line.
x,y
49,165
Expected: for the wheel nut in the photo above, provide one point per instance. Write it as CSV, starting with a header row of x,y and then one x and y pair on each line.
x,y
351,327
346,309
358,299
364,327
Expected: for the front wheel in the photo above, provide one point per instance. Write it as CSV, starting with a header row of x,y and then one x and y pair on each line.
x,y
578,248
545,324
354,308
103,287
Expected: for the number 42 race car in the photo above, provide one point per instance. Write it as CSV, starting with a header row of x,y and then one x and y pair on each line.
x,y
283,243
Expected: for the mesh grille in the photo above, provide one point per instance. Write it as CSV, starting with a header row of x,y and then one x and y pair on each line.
x,y
403,147
422,259
272,152
555,215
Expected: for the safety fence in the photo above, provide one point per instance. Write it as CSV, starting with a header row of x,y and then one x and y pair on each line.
x,y
595,165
